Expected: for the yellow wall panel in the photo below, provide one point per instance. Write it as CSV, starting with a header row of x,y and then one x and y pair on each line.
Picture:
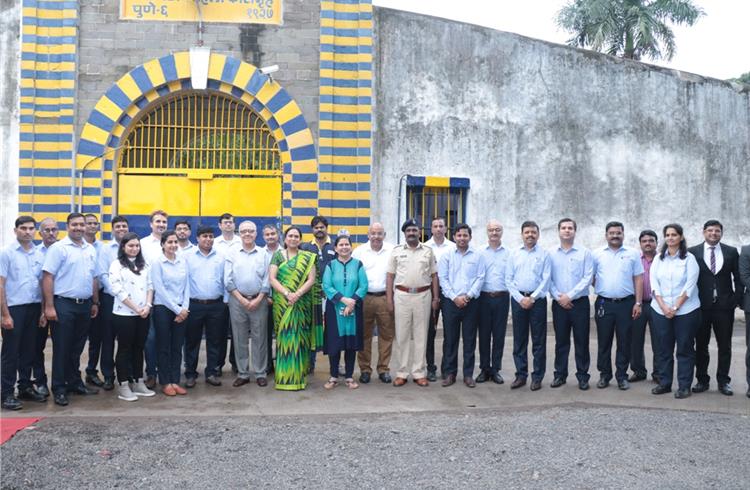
x,y
141,194
243,197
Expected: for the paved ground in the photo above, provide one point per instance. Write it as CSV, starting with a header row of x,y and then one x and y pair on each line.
x,y
385,437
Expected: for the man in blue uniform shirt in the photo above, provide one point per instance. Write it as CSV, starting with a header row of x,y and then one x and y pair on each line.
x,y
208,310
20,307
71,300
618,283
572,270
527,276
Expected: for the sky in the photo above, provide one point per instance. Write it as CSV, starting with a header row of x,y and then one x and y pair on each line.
x,y
715,46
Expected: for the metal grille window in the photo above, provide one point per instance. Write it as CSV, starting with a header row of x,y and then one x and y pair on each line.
x,y
425,202
200,131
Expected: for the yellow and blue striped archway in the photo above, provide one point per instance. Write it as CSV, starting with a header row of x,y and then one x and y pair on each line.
x,y
104,131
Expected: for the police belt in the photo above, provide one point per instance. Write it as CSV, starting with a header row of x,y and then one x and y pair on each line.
x,y
413,290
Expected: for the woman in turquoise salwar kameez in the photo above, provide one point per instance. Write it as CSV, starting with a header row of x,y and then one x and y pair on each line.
x,y
345,286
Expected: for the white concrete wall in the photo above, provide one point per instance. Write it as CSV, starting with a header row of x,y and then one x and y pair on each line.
x,y
10,58
545,131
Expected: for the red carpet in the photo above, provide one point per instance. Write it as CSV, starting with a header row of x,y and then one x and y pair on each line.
x,y
10,425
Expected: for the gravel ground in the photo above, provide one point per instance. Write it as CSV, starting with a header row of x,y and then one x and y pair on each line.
x,y
573,446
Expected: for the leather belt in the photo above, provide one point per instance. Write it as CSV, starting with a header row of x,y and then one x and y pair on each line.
x,y
380,293
526,294
616,300
206,301
413,290
78,301
250,296
494,294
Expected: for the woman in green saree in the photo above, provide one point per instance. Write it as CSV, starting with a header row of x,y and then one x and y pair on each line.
x,y
292,276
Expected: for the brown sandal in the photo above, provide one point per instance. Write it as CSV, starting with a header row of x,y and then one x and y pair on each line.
x,y
331,384
351,384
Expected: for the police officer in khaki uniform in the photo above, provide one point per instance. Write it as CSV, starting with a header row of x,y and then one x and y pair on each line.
x,y
411,290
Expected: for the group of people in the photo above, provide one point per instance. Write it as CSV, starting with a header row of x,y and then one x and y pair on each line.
x,y
152,300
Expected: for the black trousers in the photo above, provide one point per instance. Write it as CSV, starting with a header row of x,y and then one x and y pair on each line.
x,y
459,323
270,335
679,333
39,370
334,359
69,334
212,319
747,348
638,341
616,320
131,340
102,339
530,322
493,322
431,333
576,320
721,320
18,348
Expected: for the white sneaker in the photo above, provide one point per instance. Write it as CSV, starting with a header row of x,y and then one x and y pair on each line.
x,y
139,388
124,392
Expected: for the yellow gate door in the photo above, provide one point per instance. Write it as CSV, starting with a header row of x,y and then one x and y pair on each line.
x,y
197,155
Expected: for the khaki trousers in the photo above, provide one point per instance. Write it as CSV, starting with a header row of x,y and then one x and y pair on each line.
x,y
412,313
375,312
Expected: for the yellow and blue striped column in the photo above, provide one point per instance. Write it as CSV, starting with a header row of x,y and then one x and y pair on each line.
x,y
346,115
48,76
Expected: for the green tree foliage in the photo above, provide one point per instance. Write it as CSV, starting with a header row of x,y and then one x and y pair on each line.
x,y
628,28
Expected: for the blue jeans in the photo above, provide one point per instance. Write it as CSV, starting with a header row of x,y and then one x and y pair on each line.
x,y
616,320
534,322
211,319
493,322
679,331
18,347
69,334
169,339
577,320
459,323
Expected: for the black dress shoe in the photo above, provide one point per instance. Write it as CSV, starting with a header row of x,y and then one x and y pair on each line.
x,y
623,384
660,389
94,379
43,390
189,382
61,399
109,384
31,394
634,378
725,389
83,390
12,403
700,387
213,381
517,383
557,382
262,382
603,383
432,376
364,378
469,382
535,385
682,393
483,377
583,385
449,380
385,378
150,382
497,379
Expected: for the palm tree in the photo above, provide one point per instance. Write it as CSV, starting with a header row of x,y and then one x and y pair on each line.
x,y
627,28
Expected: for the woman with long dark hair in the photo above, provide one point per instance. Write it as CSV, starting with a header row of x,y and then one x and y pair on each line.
x,y
292,276
345,286
171,300
674,276
130,282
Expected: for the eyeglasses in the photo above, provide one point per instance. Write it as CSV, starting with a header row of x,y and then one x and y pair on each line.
x,y
246,232
49,230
